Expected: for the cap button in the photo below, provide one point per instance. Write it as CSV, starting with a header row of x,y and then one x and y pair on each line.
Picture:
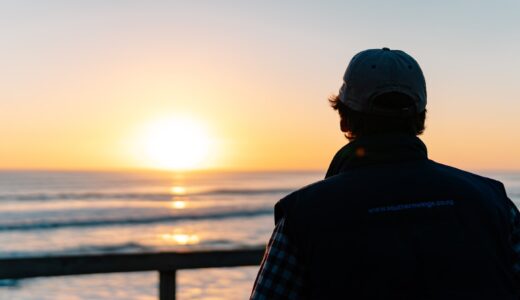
x,y
386,49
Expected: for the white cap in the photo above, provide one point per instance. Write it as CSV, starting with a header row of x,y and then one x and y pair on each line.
x,y
374,72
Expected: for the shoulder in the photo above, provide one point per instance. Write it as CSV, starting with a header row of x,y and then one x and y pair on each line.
x,y
477,179
300,196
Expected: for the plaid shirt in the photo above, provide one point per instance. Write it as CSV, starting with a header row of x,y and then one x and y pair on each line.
x,y
281,272
515,239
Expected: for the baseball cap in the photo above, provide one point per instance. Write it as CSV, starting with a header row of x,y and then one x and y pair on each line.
x,y
374,72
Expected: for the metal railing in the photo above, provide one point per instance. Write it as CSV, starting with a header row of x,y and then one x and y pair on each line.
x,y
166,263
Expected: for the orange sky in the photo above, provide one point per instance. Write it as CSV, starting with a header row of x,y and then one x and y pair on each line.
x,y
78,82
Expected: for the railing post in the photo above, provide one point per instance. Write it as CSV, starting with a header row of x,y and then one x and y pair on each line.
x,y
167,285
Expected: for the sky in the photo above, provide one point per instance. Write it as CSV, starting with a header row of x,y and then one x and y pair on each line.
x,y
81,81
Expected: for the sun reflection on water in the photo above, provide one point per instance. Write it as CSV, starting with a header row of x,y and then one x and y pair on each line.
x,y
181,238
178,190
178,204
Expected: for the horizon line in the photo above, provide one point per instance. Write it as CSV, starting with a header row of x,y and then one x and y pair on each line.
x,y
208,170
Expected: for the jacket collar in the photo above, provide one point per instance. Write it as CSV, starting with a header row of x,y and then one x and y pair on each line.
x,y
377,149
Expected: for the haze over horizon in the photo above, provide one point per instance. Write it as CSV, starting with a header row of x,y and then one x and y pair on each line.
x,y
84,85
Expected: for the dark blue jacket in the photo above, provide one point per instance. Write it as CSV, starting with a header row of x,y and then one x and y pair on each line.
x,y
388,223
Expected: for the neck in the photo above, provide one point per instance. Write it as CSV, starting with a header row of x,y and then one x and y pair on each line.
x,y
377,149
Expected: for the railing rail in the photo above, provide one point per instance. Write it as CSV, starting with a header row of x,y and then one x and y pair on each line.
x,y
166,263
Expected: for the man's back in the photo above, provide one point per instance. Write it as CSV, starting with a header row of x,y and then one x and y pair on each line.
x,y
402,227
387,222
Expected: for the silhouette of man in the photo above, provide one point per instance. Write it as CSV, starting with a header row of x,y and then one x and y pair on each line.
x,y
387,222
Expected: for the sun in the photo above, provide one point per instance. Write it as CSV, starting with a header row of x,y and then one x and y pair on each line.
x,y
176,144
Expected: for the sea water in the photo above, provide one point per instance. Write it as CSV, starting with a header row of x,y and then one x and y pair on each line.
x,y
57,213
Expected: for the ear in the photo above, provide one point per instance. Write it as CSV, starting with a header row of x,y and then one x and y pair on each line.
x,y
343,125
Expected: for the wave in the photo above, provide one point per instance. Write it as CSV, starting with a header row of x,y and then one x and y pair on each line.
x,y
127,247
137,196
134,221
124,247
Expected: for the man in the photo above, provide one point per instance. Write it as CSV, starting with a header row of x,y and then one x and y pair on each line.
x,y
387,222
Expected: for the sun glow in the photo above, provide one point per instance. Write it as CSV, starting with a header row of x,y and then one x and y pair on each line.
x,y
178,204
181,238
176,143
178,190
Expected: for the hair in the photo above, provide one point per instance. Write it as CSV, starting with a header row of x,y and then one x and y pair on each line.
x,y
357,124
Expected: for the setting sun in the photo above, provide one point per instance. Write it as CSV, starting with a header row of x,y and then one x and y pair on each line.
x,y
176,143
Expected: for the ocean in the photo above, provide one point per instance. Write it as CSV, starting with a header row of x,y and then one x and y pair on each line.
x,y
55,213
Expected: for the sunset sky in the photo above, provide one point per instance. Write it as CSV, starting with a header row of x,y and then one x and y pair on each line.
x,y
84,84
